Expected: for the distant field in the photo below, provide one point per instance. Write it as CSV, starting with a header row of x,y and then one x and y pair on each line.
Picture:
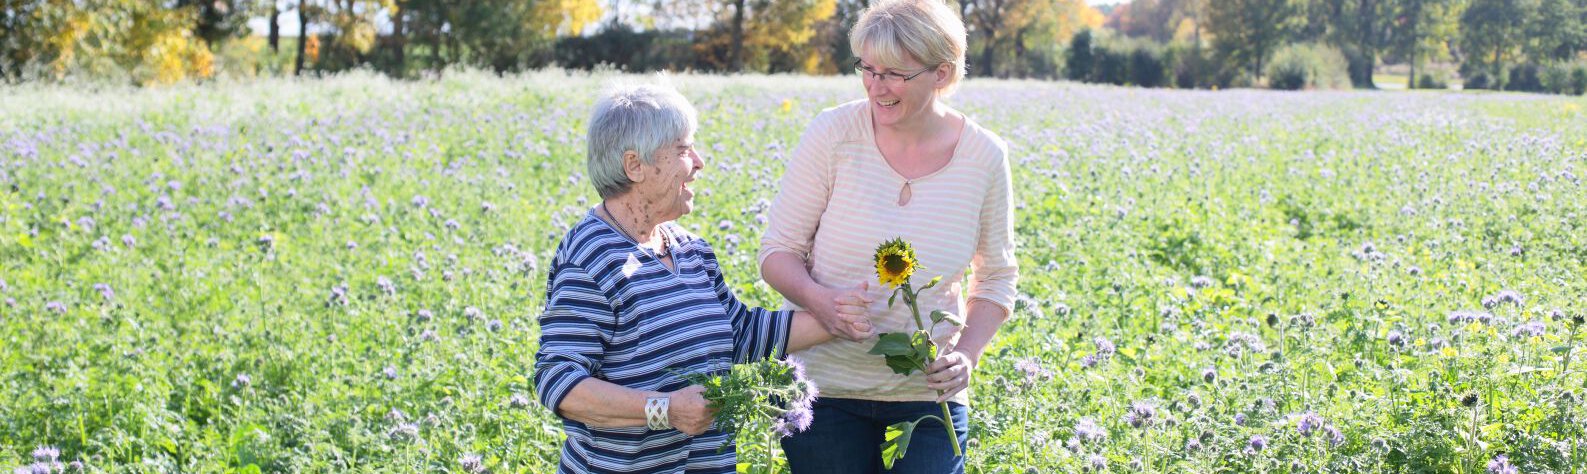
x,y
344,276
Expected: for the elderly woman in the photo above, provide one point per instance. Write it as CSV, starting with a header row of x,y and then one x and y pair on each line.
x,y
900,163
634,301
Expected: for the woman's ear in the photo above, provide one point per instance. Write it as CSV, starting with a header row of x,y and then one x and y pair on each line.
x,y
633,167
944,72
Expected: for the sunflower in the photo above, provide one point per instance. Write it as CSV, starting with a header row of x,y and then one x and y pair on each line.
x,y
895,262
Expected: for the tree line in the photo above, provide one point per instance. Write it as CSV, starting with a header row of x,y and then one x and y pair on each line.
x,y
1512,44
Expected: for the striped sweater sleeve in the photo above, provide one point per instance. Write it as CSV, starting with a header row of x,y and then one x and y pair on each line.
x,y
758,333
571,345
803,192
994,267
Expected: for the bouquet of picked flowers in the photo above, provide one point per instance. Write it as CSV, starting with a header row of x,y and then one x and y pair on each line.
x,y
771,398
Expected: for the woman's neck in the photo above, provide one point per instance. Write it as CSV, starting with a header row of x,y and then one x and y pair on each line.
x,y
631,218
927,124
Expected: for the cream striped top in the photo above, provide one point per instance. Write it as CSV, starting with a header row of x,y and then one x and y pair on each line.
x,y
838,201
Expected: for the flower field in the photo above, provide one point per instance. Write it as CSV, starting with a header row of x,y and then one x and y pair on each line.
x,y
344,275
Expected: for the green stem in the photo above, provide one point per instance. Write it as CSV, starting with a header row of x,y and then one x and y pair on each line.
x,y
914,308
953,436
947,415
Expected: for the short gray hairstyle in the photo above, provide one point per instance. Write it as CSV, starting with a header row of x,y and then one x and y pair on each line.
x,y
638,118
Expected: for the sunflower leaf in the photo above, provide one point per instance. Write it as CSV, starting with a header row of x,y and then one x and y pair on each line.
x,y
896,442
893,344
938,316
903,364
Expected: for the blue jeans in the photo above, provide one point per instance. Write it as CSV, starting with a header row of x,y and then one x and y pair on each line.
x,y
845,437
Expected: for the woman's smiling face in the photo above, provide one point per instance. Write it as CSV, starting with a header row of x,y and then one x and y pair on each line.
x,y
895,99
664,189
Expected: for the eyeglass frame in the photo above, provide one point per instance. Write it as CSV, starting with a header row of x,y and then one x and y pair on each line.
x,y
867,72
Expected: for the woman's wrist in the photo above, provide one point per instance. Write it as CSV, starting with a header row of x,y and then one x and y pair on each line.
x,y
657,411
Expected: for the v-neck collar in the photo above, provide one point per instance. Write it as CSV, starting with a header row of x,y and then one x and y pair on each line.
x,y
672,242
869,126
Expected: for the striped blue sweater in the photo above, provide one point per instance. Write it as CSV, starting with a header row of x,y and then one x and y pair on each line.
x,y
617,314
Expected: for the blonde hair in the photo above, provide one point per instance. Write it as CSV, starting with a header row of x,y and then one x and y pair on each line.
x,y
925,30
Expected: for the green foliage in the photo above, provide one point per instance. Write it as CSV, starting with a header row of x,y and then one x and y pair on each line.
x,y
1568,78
1430,81
1282,192
1080,57
129,41
1308,66
750,398
1246,32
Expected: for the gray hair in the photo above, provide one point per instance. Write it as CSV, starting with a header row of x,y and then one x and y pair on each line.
x,y
637,118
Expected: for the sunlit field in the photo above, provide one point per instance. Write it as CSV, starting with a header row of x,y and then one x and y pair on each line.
x,y
344,275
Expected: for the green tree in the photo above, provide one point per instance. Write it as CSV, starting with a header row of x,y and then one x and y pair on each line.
x,y
756,34
1423,29
1557,30
220,20
142,42
1491,33
1245,32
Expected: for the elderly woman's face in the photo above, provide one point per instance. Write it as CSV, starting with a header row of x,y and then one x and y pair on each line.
x,y
893,97
664,192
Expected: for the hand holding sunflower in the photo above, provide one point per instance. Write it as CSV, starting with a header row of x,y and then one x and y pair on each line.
x,y
908,352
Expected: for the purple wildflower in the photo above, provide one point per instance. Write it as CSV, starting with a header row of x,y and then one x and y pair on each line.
x,y
55,307
1032,369
1308,423
1209,374
390,373
105,291
46,454
1531,329
1501,465
1258,442
1140,414
1086,430
1105,347
1097,462
1508,296
472,463
404,432
242,381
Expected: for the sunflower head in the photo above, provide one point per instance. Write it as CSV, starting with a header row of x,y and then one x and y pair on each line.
x,y
895,262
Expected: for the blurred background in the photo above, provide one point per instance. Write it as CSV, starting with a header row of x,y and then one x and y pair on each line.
x,y
1519,45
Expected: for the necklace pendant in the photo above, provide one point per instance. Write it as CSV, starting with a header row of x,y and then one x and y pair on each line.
x,y
904,194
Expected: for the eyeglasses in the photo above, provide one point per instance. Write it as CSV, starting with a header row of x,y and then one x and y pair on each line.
x,y
888,77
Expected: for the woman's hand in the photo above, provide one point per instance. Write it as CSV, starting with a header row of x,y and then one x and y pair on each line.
x,y
950,374
688,411
845,313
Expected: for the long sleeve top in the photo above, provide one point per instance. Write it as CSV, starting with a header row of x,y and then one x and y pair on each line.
x,y
615,313
839,199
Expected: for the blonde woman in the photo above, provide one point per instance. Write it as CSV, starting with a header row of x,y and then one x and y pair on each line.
x,y
900,163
